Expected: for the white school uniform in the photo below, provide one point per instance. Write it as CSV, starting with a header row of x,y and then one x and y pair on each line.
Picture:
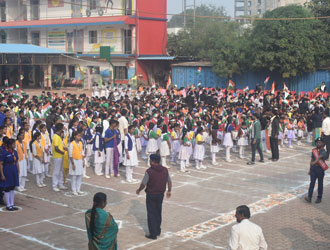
x,y
78,163
38,166
243,140
199,152
97,158
133,159
164,148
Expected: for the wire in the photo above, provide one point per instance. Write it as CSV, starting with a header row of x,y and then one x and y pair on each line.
x,y
206,17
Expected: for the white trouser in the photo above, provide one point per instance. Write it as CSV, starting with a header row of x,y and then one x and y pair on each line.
x,y
76,183
241,151
129,173
109,162
309,137
164,161
174,154
228,153
46,168
40,179
58,172
213,157
143,152
22,180
183,164
98,168
198,164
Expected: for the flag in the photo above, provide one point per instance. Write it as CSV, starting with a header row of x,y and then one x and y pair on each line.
x,y
285,90
231,85
199,70
17,86
273,88
169,81
21,77
6,82
9,89
266,80
246,89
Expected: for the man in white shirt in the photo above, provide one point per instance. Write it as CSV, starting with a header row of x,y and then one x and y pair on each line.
x,y
246,235
326,131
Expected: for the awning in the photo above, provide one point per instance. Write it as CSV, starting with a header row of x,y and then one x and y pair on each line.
x,y
156,58
28,49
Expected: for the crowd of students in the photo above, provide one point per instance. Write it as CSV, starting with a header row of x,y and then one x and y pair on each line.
x,y
57,136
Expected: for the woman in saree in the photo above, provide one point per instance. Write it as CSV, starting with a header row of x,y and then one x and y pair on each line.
x,y
101,227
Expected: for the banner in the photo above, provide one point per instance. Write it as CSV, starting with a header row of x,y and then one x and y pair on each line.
x,y
56,38
55,3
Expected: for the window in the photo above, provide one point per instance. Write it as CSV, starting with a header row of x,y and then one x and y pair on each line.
x,y
72,71
3,36
259,12
249,13
92,4
249,3
127,35
121,72
35,38
259,2
93,36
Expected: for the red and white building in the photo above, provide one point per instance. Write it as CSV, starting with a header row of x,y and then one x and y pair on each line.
x,y
135,30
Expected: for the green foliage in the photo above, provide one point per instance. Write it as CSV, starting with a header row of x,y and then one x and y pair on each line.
x,y
288,47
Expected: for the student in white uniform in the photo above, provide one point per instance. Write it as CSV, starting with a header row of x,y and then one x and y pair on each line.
x,y
38,159
165,146
45,142
214,142
243,139
21,148
98,149
228,141
130,155
76,167
175,139
199,150
184,153
152,146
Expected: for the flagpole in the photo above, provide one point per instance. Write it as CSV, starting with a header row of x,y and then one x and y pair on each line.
x,y
20,79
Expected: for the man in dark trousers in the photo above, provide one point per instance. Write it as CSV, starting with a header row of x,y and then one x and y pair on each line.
x,y
316,171
273,131
256,139
155,179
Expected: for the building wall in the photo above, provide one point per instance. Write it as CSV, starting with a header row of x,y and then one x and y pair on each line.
x,y
259,7
152,28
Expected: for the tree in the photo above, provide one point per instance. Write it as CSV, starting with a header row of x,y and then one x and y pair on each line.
x,y
288,47
321,8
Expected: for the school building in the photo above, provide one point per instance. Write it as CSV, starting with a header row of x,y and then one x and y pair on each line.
x,y
135,30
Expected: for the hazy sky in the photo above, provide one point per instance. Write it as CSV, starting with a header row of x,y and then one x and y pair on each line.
x,y
175,6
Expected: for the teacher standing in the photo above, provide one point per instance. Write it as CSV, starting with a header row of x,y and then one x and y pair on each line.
x,y
155,179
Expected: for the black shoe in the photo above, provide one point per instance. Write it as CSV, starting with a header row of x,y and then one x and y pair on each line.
x,y
151,237
261,161
318,200
10,209
308,199
275,159
250,163
14,207
270,159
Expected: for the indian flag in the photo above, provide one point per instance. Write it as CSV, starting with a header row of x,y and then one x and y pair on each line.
x,y
9,89
231,85
285,88
267,80
169,81
273,88
199,70
246,89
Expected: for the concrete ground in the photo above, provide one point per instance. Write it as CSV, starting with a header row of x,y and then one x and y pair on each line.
x,y
199,214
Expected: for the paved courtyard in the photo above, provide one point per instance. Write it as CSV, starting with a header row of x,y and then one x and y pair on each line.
x,y
199,214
